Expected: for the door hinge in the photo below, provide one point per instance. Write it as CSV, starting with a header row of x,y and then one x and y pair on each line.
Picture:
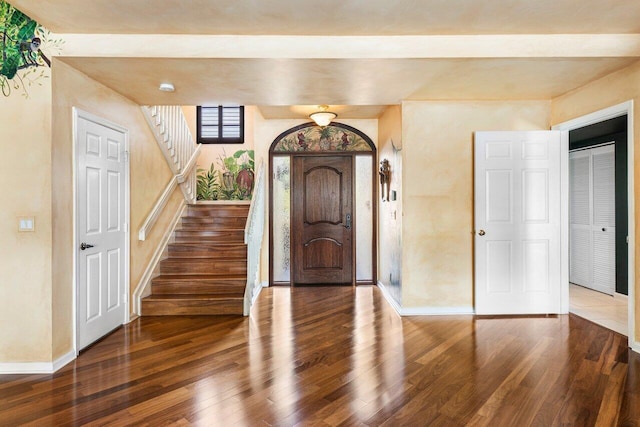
x,y
126,227
627,240
125,298
126,156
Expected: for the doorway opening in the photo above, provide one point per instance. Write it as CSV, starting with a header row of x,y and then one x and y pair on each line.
x,y
598,229
322,226
600,256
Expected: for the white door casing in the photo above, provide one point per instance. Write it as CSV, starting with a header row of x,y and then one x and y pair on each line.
x,y
102,223
518,222
592,248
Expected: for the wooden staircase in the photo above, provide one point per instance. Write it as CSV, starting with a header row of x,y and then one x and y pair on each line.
x,y
206,270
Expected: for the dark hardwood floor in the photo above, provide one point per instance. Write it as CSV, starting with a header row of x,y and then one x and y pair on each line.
x,y
338,356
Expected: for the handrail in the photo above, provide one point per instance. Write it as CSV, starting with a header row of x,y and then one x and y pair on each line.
x,y
164,197
172,133
157,208
253,235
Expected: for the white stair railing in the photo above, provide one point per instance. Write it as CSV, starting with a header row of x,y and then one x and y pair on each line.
x,y
176,142
253,235
170,128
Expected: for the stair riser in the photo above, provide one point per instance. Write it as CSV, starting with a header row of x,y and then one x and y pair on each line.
x,y
206,222
190,288
212,249
205,240
237,254
190,307
222,236
219,269
218,212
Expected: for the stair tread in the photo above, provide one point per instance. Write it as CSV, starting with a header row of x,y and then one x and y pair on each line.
x,y
191,277
200,297
197,260
209,244
236,229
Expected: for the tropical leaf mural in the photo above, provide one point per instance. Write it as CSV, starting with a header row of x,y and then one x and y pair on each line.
x,y
22,46
233,180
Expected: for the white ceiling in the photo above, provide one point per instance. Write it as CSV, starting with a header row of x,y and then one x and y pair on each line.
x,y
357,86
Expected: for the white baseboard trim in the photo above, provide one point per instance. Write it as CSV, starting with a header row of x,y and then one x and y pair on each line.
x,y
621,296
387,296
37,367
265,284
259,289
635,346
145,280
423,311
63,360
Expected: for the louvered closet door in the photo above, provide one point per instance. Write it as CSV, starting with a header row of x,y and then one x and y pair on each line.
x,y
592,218
604,220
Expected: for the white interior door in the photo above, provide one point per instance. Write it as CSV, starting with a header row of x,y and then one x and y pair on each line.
x,y
102,233
592,248
518,222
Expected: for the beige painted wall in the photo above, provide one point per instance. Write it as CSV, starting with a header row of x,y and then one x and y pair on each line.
x,y
437,165
149,175
25,257
610,90
390,213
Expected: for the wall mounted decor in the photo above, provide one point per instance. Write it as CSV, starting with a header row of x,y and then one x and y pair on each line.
x,y
22,45
385,179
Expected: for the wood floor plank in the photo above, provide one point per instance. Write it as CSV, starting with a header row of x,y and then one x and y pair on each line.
x,y
338,356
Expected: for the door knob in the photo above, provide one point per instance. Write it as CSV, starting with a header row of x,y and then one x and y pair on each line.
x,y
84,246
604,229
348,224
481,232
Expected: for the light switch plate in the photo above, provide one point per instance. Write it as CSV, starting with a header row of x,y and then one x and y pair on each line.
x,y
26,223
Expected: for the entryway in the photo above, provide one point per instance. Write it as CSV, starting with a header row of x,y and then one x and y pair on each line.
x,y
322,206
102,234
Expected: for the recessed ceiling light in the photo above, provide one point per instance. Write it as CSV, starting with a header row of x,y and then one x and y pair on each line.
x,y
166,87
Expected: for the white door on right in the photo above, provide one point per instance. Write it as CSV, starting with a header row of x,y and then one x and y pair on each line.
x,y
517,222
592,213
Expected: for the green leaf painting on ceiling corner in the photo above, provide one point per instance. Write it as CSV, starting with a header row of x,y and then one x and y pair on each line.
x,y
22,45
232,180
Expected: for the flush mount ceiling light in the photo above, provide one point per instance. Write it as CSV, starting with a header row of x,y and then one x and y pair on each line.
x,y
166,87
322,117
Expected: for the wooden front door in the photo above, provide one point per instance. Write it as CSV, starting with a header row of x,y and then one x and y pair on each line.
x,y
322,220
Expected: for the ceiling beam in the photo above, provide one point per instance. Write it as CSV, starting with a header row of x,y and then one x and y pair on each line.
x,y
351,47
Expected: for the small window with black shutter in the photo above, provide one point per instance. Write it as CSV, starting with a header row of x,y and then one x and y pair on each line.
x,y
221,125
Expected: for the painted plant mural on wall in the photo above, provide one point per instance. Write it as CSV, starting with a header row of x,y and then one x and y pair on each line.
x,y
231,179
316,138
22,60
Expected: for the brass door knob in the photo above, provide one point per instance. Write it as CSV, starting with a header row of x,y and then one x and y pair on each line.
x,y
481,232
